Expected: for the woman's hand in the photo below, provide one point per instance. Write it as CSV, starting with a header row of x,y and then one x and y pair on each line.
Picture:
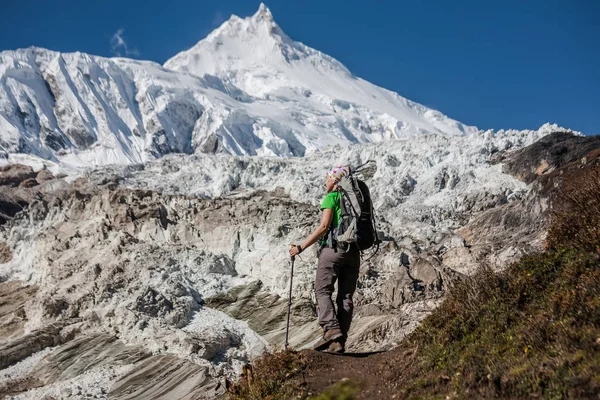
x,y
294,251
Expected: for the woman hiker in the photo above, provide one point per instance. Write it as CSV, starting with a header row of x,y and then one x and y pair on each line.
x,y
334,264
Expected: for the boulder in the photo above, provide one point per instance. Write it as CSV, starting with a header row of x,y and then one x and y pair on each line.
x,y
425,271
28,183
44,175
14,174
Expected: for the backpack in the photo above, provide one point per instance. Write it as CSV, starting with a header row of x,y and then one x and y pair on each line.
x,y
357,218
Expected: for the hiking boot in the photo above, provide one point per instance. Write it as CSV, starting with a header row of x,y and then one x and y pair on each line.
x,y
328,337
335,347
332,334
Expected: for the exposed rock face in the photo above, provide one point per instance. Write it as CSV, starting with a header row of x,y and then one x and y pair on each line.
x,y
22,347
14,175
20,186
266,313
75,358
13,296
165,378
84,353
10,204
145,292
5,253
502,234
44,176
548,154
29,183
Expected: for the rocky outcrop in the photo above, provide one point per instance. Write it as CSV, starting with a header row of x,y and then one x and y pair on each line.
x,y
165,378
11,203
83,354
547,154
14,174
162,249
266,313
5,253
44,176
78,356
502,234
13,296
21,185
49,336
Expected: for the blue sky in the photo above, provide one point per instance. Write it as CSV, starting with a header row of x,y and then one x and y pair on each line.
x,y
493,64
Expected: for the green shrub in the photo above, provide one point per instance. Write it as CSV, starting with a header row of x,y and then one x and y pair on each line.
x,y
576,214
272,377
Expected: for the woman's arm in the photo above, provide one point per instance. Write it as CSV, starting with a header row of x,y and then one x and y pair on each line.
x,y
317,234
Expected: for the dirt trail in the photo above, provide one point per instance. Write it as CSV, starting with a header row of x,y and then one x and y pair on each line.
x,y
378,375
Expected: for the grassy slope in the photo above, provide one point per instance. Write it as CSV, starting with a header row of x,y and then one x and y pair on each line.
x,y
532,330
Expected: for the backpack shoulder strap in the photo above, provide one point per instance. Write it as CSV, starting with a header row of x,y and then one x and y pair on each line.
x,y
347,190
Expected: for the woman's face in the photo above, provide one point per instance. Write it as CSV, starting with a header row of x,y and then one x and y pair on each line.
x,y
329,183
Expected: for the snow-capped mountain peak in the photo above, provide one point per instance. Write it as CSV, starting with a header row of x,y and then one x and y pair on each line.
x,y
241,44
255,55
246,89
264,14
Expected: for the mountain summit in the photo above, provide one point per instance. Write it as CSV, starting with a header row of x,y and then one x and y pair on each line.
x,y
246,89
254,44
255,55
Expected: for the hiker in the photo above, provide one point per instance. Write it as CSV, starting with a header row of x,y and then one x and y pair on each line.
x,y
334,264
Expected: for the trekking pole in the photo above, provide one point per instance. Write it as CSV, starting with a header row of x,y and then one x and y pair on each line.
x,y
287,326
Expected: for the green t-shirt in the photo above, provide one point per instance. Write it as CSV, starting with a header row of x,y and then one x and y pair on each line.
x,y
332,201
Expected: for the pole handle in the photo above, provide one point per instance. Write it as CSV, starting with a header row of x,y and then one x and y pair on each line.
x,y
291,247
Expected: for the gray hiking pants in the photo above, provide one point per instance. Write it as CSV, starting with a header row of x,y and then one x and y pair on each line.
x,y
343,267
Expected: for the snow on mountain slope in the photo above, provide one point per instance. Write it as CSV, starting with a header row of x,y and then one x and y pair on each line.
x,y
257,56
80,109
282,98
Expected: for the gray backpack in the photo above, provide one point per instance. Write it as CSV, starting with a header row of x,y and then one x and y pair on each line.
x,y
357,227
